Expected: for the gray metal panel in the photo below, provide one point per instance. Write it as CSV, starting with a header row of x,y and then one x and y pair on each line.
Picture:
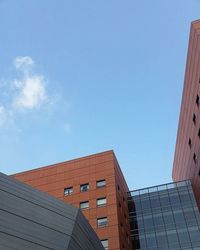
x,y
83,236
32,220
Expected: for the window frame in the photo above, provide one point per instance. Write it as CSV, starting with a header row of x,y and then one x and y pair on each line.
x,y
103,204
103,224
69,189
84,202
82,190
99,181
105,240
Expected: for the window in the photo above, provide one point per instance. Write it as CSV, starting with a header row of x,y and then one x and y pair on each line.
x,y
197,100
84,204
102,222
194,157
194,119
190,143
104,242
101,202
199,133
84,187
101,183
68,191
118,188
120,205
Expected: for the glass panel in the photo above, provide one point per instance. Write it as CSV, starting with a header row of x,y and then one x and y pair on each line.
x,y
101,201
101,183
194,234
105,243
68,191
102,222
84,204
84,187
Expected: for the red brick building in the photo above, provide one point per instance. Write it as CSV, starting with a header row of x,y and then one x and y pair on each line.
x,y
187,153
94,183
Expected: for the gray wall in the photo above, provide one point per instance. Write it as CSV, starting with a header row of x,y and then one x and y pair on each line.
x,y
30,219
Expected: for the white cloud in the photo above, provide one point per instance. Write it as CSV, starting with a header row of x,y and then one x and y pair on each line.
x,y
27,91
31,89
32,92
23,93
23,63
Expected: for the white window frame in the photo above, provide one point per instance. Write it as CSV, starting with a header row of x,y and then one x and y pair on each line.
x,y
102,222
101,201
68,191
84,203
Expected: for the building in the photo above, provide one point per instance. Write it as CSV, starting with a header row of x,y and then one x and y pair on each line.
x,y
95,184
164,217
187,153
30,220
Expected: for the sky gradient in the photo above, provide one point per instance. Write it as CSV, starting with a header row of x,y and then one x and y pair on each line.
x,y
81,77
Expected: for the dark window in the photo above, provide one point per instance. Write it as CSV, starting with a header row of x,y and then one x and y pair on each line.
x,y
194,118
101,202
84,187
68,191
104,242
120,205
197,100
102,222
101,183
84,204
199,172
194,157
118,187
190,143
199,133
125,216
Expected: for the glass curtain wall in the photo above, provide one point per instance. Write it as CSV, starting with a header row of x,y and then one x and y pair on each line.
x,y
164,217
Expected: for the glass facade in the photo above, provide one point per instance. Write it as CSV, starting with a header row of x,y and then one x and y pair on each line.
x,y
164,217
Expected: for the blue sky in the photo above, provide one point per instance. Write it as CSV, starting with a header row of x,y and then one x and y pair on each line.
x,y
81,77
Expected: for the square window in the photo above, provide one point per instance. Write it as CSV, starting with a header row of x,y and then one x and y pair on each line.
x,y
190,143
194,157
102,222
84,204
104,242
84,187
101,183
194,119
101,201
197,100
68,191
